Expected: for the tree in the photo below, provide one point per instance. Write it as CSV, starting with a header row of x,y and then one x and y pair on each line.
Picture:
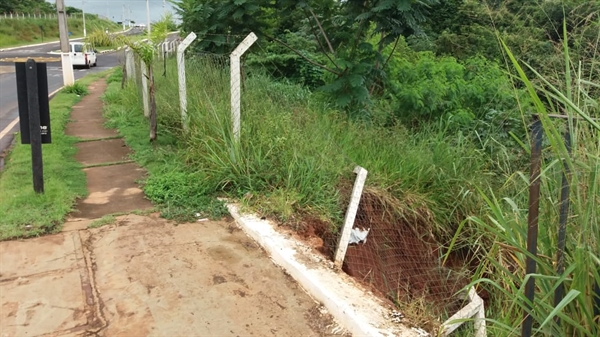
x,y
351,35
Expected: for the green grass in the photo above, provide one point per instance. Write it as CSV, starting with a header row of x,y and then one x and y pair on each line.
x,y
294,148
103,221
14,33
23,213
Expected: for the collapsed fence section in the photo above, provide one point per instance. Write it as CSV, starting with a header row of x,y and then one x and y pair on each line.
x,y
388,246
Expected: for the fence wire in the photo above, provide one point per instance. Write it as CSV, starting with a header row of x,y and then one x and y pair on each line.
x,y
400,259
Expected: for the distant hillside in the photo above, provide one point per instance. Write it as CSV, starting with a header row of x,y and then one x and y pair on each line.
x,y
26,6
15,32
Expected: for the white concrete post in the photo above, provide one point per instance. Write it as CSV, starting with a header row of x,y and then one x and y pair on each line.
x,y
145,97
359,184
129,64
235,73
66,62
181,76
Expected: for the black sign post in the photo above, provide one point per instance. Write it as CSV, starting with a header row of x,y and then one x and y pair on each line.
x,y
34,114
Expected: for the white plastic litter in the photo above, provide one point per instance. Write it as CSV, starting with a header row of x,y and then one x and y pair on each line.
x,y
420,332
358,235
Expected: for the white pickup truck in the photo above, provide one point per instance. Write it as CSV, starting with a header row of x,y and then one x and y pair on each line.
x,y
82,55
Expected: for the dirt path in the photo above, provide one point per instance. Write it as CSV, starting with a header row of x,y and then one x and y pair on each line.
x,y
143,276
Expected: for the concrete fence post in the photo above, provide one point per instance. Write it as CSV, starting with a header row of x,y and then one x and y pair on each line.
x,y
145,97
359,184
235,73
181,77
129,64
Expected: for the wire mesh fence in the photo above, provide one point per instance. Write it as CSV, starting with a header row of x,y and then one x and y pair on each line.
x,y
399,258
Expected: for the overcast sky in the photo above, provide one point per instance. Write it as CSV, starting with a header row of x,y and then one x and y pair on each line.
x,y
114,8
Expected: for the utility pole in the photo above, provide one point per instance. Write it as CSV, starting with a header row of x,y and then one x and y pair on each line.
x,y
67,64
148,16
83,14
123,18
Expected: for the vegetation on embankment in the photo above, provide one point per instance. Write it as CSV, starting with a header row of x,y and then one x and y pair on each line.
x,y
23,213
18,32
297,152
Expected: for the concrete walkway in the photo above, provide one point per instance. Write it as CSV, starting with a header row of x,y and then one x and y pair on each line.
x,y
142,275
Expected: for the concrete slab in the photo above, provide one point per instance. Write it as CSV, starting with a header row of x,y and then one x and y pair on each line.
x,y
112,189
36,256
38,305
85,113
101,152
199,279
89,129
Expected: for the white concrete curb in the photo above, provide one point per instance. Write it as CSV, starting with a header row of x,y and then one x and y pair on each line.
x,y
355,309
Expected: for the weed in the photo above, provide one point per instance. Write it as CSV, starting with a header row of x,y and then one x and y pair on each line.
x,y
103,221
76,88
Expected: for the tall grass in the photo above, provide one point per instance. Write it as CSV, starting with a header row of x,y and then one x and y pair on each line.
x,y
503,270
296,151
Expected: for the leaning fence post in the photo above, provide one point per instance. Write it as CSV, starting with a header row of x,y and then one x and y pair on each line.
x,y
359,183
145,89
234,63
181,76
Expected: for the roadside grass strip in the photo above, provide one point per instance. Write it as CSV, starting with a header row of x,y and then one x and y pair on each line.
x,y
23,213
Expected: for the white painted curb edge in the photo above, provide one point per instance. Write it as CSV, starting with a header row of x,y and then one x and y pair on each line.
x,y
358,311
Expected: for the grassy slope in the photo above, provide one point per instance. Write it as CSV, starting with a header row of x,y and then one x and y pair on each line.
x,y
20,206
295,152
27,31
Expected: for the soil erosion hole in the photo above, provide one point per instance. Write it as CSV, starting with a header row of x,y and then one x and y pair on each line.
x,y
401,258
